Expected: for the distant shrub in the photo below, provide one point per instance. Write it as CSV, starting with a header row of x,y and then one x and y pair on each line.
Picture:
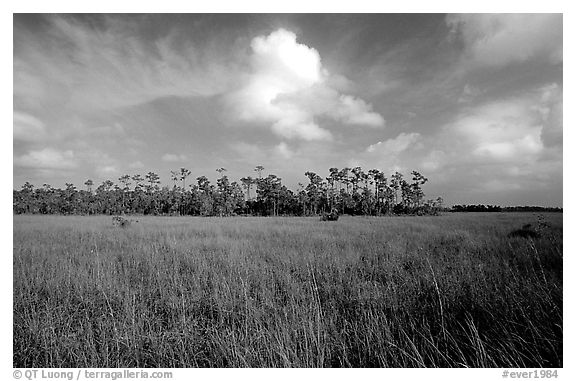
x,y
526,232
332,216
121,221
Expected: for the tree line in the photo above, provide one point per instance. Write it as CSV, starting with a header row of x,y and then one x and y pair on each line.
x,y
497,208
344,191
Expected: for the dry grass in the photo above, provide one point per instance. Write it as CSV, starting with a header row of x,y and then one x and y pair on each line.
x,y
448,291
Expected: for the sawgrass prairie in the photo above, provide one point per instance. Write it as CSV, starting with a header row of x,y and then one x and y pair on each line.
x,y
448,291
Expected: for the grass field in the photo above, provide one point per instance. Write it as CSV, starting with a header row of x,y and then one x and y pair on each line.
x,y
447,291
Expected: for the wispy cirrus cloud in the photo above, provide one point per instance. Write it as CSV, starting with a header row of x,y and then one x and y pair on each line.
x,y
110,66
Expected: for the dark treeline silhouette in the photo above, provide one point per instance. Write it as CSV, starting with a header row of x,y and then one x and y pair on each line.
x,y
496,208
531,209
476,208
345,191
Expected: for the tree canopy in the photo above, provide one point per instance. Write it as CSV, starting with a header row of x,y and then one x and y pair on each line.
x,y
346,191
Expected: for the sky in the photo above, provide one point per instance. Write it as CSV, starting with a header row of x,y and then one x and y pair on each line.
x,y
472,101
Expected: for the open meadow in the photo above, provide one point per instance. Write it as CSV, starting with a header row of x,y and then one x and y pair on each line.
x,y
448,291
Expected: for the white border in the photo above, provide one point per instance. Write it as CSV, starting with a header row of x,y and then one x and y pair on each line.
x,y
292,6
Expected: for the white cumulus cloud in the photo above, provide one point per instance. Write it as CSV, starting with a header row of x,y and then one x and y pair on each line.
x,y
289,90
502,131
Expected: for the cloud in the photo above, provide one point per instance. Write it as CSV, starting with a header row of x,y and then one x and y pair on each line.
x,y
355,111
258,154
289,90
77,66
518,127
174,158
505,130
497,150
136,165
248,152
394,146
115,129
433,161
284,151
28,128
506,150
107,170
551,111
283,157
499,185
496,40
468,94
289,160
48,158
394,154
